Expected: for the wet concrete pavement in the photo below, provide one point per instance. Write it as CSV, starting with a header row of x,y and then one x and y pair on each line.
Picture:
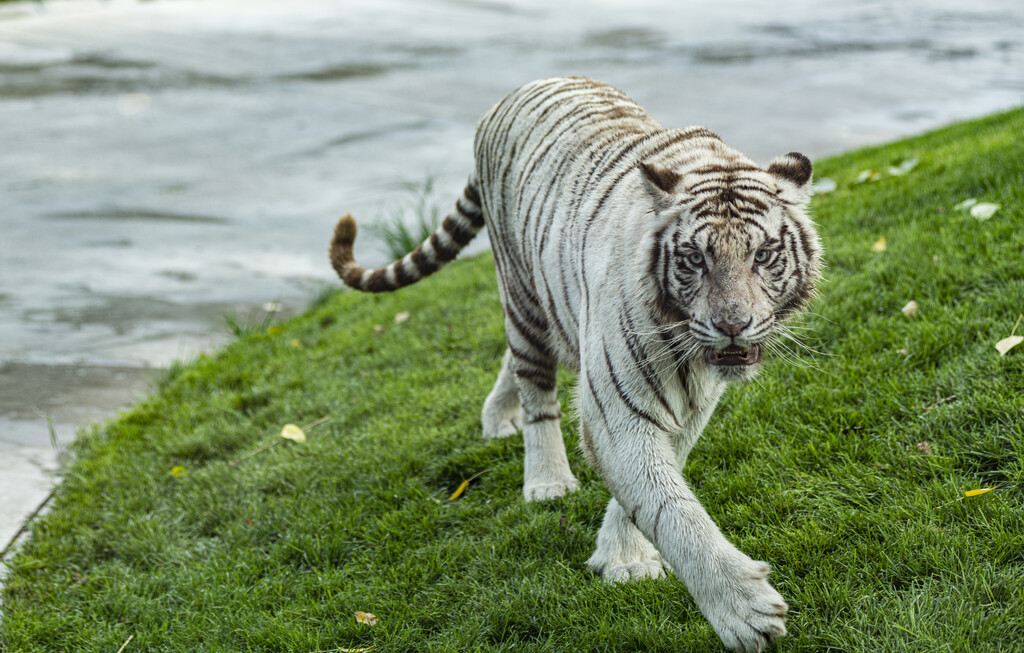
x,y
165,163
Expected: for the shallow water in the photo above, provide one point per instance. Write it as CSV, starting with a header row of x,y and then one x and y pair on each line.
x,y
165,163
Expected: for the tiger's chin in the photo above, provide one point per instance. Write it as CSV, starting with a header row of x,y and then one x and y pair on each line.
x,y
734,363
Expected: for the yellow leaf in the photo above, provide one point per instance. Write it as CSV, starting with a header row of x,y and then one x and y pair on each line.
x,y
458,492
293,432
365,618
974,493
295,343
274,330
879,245
910,308
178,471
1006,344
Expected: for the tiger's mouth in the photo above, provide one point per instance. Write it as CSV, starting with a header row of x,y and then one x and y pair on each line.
x,y
735,355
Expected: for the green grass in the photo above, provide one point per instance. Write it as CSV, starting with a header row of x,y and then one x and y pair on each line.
x,y
814,467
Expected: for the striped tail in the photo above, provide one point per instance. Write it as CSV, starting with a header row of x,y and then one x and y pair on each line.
x,y
434,253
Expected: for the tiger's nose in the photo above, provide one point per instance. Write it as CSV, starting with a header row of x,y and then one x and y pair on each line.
x,y
732,328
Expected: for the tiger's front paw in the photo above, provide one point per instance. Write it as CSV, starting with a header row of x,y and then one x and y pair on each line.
x,y
550,489
749,615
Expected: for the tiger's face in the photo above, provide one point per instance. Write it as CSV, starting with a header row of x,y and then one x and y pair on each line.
x,y
735,256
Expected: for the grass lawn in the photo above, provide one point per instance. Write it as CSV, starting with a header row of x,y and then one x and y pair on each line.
x,y
847,472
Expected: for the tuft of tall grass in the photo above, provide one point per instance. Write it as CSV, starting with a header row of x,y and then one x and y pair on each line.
x,y
404,226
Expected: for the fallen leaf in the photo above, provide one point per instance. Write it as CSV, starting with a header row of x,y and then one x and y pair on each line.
x,y
910,308
879,245
903,352
274,330
459,490
293,432
966,204
401,317
366,618
904,167
868,175
351,650
296,343
984,210
824,185
1006,344
924,448
378,328
178,471
974,493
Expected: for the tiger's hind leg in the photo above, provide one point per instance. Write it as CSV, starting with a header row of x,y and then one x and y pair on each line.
x,y
623,552
546,473
502,413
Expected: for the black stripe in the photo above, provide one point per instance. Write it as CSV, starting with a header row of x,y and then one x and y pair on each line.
x,y
545,381
444,252
423,263
459,232
544,417
401,276
634,346
624,396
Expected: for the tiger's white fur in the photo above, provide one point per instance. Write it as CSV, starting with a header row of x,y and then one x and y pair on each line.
x,y
654,262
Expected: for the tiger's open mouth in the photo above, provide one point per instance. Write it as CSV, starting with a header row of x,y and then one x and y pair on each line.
x,y
735,355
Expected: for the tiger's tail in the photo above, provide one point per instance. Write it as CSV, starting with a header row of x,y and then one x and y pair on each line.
x,y
458,228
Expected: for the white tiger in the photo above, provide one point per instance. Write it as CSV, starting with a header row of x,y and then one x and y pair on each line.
x,y
656,263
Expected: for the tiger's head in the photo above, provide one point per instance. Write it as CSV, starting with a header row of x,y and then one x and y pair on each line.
x,y
733,254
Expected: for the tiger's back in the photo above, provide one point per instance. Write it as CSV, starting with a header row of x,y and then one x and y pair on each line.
x,y
658,263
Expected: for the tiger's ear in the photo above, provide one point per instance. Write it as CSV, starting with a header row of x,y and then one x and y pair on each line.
x,y
793,173
660,182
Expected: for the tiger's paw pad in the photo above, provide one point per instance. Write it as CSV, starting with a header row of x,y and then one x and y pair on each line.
x,y
545,491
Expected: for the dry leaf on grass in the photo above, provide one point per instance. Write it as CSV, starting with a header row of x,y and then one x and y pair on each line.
x,y
978,210
974,493
984,210
401,317
462,486
879,245
924,448
366,618
904,167
868,175
824,185
1008,343
910,308
293,433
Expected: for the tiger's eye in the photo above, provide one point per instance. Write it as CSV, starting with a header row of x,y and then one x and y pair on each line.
x,y
695,259
761,256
